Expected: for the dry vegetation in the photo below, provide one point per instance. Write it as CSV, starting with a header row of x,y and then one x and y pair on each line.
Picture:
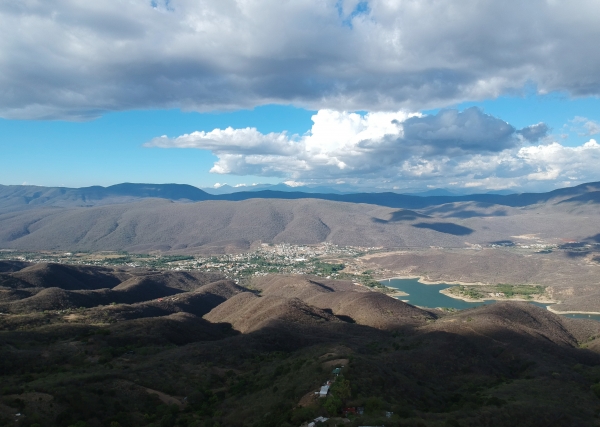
x,y
202,351
115,347
214,226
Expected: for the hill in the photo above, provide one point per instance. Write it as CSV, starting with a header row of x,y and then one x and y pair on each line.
x,y
68,277
211,352
19,197
247,312
184,219
219,226
344,300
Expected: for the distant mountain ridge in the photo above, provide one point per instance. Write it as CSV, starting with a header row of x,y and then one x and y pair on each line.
x,y
228,189
17,197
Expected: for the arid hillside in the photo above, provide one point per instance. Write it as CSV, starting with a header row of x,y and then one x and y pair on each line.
x,y
222,226
23,197
183,349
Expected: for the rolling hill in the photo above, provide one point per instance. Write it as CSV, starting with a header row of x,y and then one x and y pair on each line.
x,y
219,226
173,218
215,352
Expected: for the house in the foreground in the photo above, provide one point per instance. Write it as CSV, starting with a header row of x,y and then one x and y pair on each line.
x,y
324,391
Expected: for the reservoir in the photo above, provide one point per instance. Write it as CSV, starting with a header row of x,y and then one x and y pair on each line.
x,y
429,296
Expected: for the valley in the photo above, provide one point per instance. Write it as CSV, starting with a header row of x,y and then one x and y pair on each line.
x,y
563,275
127,307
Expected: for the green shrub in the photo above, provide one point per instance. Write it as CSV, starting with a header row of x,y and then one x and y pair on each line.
x,y
596,389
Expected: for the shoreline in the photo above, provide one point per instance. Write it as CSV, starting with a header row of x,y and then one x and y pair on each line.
x,y
595,313
396,292
424,281
498,299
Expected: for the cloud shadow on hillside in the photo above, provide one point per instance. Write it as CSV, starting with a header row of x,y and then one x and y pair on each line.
x,y
474,214
446,227
470,210
595,239
401,215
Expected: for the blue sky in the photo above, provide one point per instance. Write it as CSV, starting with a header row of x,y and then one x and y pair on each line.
x,y
368,95
110,150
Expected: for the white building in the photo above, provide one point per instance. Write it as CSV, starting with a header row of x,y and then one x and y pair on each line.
x,y
324,391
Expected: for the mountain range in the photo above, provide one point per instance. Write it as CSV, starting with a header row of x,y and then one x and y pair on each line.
x,y
23,196
182,218
338,189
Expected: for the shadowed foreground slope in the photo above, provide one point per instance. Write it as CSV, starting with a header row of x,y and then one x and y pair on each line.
x,y
202,351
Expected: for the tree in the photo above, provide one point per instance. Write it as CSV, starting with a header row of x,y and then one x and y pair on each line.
x,y
341,388
333,404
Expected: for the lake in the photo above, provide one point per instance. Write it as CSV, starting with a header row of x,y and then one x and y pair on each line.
x,y
430,296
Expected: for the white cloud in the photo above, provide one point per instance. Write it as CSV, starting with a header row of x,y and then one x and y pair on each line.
x,y
592,127
76,59
294,183
229,140
554,161
399,150
585,126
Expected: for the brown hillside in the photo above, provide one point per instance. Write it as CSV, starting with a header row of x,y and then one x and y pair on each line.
x,y
247,312
203,300
254,356
370,308
10,266
56,299
7,295
302,287
219,226
343,299
70,277
158,285
198,302
139,289
502,318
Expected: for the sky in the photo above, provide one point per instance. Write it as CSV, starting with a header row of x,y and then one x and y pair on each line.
x,y
403,95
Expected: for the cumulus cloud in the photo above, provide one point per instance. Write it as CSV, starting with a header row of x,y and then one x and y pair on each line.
x,y
394,150
76,59
452,131
224,141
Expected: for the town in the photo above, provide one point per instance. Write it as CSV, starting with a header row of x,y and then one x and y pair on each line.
x,y
324,260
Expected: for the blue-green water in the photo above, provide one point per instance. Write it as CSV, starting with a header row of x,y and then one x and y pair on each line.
x,y
430,296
